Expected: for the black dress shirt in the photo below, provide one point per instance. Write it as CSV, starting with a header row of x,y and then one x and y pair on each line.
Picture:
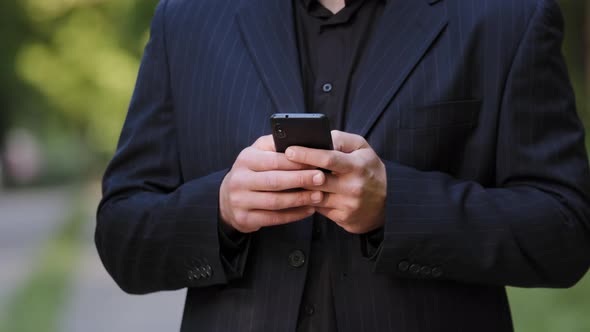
x,y
330,48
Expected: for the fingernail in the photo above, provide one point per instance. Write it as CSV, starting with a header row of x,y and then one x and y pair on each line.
x,y
318,179
316,197
289,153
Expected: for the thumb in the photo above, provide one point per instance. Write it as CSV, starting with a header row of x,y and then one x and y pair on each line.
x,y
347,142
265,143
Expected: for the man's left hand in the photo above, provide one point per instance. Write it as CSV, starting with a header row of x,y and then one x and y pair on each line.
x,y
355,191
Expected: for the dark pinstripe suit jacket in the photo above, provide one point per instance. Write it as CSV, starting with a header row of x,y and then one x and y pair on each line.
x,y
467,102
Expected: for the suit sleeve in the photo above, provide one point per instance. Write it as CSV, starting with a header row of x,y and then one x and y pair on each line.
x,y
155,231
532,228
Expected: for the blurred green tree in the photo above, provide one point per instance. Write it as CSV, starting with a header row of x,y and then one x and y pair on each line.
x,y
67,72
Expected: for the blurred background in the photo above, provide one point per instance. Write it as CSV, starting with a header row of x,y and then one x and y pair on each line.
x,y
67,71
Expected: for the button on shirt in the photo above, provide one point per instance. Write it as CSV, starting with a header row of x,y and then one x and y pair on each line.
x,y
330,49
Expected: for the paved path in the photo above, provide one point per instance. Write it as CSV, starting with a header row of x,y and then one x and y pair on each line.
x,y
27,220
96,304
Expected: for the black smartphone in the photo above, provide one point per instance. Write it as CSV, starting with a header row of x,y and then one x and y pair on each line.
x,y
311,130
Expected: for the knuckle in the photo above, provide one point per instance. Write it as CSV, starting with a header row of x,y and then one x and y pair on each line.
x,y
357,189
241,218
271,182
272,202
302,154
330,161
340,219
237,181
234,200
243,156
362,163
353,205
302,199
259,141
274,161
301,180
234,182
274,219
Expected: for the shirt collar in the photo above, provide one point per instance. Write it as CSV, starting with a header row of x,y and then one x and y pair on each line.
x,y
308,3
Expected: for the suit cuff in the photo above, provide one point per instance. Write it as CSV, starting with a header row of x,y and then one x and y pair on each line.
x,y
234,247
371,243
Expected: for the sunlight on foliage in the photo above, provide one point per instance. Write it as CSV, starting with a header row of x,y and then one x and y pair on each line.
x,y
84,74
42,10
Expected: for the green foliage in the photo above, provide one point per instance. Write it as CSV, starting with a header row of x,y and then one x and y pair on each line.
x,y
69,66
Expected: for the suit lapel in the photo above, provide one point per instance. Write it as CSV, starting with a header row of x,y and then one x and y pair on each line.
x,y
269,34
405,31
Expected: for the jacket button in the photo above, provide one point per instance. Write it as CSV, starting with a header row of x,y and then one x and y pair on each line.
x,y
425,271
203,272
403,266
437,272
414,268
297,258
195,275
208,271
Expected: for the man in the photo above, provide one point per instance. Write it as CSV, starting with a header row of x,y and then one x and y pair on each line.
x,y
459,165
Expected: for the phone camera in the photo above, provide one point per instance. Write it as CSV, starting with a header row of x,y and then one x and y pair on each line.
x,y
280,132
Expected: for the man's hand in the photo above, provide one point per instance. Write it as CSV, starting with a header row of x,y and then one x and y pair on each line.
x,y
354,194
252,193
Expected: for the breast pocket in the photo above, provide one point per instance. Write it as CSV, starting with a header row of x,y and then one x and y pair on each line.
x,y
434,137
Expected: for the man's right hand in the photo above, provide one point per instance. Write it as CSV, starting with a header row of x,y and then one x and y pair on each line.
x,y
254,193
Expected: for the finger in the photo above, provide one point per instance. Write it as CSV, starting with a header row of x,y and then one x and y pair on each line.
x,y
332,160
336,201
335,215
265,143
333,184
346,142
260,160
273,218
274,201
284,180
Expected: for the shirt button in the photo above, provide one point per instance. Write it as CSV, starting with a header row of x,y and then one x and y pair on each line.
x,y
297,258
327,87
309,310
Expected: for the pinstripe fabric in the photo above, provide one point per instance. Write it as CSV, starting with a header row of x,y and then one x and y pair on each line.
x,y
467,102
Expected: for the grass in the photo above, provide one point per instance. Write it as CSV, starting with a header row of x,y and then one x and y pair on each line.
x,y
552,310
38,304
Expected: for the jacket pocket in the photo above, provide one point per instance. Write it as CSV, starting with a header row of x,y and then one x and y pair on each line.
x,y
436,137
447,114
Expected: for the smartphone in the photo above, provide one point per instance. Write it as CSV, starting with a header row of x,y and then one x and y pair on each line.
x,y
311,130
